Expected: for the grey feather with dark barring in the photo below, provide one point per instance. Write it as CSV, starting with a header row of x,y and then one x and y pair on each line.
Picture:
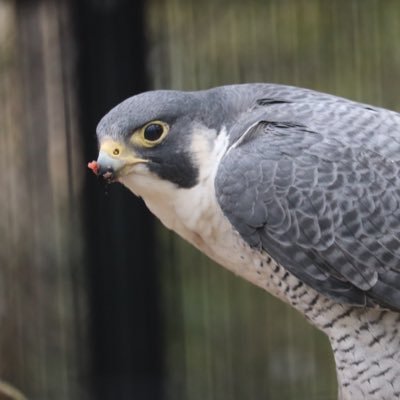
x,y
294,190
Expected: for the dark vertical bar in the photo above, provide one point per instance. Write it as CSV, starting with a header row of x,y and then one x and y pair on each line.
x,y
124,308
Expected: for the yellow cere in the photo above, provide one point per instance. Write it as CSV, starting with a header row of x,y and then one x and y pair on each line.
x,y
119,151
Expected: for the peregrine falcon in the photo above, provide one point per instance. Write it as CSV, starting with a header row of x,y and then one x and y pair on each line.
x,y
294,190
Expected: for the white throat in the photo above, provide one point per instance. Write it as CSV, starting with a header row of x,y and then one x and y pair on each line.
x,y
193,213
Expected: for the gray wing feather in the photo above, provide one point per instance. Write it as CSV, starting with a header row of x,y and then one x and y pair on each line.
x,y
320,192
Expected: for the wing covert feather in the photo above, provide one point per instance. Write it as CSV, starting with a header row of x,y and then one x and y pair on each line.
x,y
321,196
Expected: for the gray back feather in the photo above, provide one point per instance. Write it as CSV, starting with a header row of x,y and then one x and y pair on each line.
x,y
315,183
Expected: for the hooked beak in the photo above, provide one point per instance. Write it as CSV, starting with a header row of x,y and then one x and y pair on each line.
x,y
113,160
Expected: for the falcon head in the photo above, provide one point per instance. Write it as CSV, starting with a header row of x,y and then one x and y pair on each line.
x,y
159,135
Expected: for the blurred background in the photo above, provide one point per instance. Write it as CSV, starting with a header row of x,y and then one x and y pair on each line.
x,y
97,299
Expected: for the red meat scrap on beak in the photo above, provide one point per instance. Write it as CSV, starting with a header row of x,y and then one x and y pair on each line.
x,y
94,166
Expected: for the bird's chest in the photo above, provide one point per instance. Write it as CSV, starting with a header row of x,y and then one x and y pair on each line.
x,y
197,217
194,214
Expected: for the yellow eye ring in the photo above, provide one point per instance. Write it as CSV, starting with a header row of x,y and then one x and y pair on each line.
x,y
150,134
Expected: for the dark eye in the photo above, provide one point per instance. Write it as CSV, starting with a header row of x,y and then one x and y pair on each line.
x,y
153,132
